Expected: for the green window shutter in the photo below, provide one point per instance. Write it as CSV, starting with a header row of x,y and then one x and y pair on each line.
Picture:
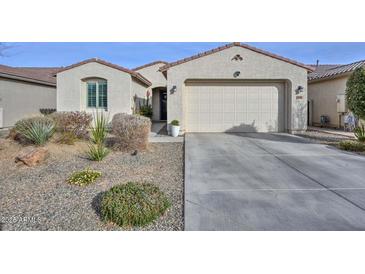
x,y
91,95
103,95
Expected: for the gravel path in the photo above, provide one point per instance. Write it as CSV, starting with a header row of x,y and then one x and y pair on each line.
x,y
323,137
38,198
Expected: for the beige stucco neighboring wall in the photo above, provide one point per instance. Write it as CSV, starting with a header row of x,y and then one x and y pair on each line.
x,y
254,66
153,74
323,95
71,88
20,99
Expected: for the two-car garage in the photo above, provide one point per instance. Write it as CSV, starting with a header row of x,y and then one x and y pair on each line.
x,y
234,106
237,88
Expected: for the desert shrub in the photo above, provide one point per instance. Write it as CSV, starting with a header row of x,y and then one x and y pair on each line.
x,y
352,146
47,111
84,177
100,129
133,204
97,152
360,133
36,130
131,131
67,138
75,122
175,123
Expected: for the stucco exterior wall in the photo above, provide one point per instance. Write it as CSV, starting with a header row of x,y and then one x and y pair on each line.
x,y
139,93
254,66
153,75
72,90
323,95
22,99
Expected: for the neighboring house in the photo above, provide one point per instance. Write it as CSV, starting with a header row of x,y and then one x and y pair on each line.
x,y
233,88
326,92
23,91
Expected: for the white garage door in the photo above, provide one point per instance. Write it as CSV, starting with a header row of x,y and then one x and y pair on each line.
x,y
238,107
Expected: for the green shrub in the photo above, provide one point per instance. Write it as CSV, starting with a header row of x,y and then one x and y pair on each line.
x,y
175,123
146,111
47,111
75,122
131,131
83,178
36,130
133,204
97,152
352,146
100,129
360,133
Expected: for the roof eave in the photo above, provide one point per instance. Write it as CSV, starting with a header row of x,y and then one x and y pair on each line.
x,y
26,79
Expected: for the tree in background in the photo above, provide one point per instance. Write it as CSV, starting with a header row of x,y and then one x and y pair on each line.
x,y
355,97
355,93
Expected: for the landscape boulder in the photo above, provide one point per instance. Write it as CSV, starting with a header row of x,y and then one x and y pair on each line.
x,y
32,156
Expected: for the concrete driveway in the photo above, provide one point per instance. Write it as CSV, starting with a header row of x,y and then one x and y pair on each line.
x,y
271,182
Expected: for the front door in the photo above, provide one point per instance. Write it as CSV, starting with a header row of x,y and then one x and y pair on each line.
x,y
163,105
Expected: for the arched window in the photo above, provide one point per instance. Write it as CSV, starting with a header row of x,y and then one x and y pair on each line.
x,y
97,94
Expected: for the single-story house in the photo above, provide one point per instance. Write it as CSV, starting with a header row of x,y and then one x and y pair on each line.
x,y
234,88
326,93
24,91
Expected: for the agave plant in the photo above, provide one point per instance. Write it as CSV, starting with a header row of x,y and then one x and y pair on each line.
x,y
99,131
360,133
36,130
97,152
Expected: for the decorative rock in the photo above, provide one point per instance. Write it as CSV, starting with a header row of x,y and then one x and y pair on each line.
x,y
32,156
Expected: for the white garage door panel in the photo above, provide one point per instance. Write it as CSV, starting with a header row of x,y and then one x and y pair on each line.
x,y
235,108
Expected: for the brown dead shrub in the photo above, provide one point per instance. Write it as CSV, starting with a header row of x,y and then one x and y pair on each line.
x,y
131,131
74,123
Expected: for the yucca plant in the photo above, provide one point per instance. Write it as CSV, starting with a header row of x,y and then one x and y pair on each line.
x,y
99,131
97,152
36,130
360,133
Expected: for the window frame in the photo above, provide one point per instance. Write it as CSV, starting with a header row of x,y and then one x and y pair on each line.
x,y
97,83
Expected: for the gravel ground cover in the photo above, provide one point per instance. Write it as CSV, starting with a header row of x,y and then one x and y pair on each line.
x,y
39,198
323,137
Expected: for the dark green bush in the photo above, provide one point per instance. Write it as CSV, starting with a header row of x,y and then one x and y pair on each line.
x,y
47,111
352,146
133,204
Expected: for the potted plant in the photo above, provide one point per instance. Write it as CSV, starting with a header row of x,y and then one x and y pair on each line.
x,y
175,128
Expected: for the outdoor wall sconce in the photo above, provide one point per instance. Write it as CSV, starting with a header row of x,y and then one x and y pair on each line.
x,y
299,89
236,74
173,90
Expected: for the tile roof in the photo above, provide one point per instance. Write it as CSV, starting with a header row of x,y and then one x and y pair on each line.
x,y
235,44
150,64
105,63
335,70
30,74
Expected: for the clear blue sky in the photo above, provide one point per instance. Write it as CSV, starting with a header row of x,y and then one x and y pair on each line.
x,y
134,54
